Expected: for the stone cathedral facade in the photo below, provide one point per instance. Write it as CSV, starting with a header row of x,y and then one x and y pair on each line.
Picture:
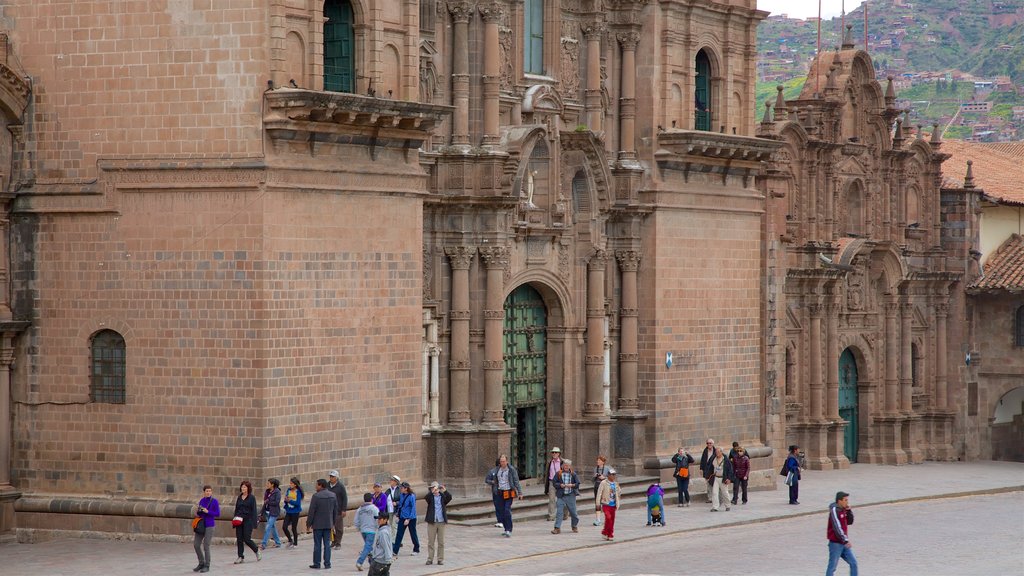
x,y
263,238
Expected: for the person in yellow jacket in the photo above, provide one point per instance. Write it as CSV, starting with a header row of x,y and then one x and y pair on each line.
x,y
609,494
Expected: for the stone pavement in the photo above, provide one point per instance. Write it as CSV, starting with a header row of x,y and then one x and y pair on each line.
x,y
471,549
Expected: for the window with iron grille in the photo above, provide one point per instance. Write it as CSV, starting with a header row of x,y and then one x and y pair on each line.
x,y
107,381
1018,327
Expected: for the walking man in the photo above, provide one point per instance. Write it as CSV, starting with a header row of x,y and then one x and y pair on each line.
x,y
566,486
792,467
323,509
366,524
381,555
840,516
338,489
705,458
504,481
554,468
437,519
722,476
394,492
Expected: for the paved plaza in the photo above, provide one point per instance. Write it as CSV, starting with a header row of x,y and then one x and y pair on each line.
x,y
933,518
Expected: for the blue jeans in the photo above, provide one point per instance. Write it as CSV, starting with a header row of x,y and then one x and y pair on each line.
x,y
506,513
837,551
561,504
270,529
683,486
322,540
661,505
412,534
367,547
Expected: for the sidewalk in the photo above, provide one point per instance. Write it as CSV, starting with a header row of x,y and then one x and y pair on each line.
x,y
470,547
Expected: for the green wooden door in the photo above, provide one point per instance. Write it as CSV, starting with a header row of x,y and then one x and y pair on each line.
x,y
848,402
702,94
525,381
339,47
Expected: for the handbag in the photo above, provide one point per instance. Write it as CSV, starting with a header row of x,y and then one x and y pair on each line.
x,y
508,494
783,471
237,521
790,479
683,472
199,523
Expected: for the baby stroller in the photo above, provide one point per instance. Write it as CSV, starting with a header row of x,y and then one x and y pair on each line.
x,y
655,505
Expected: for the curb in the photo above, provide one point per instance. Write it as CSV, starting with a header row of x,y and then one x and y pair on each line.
x,y
946,496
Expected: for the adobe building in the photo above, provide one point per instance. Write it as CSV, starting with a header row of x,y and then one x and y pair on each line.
x,y
406,237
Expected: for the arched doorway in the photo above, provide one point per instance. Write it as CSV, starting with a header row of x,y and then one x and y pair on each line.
x,y
525,381
702,93
848,402
339,46
1008,427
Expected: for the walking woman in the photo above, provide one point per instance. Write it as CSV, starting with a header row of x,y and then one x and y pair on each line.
x,y
407,519
270,511
208,509
609,494
292,508
244,521
600,473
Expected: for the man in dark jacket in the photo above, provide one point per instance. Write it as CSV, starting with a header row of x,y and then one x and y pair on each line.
x,y
338,489
437,519
840,516
566,485
722,475
323,509
792,468
705,457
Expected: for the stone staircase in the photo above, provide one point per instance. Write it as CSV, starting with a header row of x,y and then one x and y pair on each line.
x,y
534,505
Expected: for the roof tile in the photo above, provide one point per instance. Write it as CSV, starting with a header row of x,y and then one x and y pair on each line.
x,y
998,168
1004,270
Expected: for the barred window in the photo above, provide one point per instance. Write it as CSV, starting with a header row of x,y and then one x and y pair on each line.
x,y
107,381
1018,327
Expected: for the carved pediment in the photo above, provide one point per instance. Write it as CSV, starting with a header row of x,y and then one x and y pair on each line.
x,y
544,99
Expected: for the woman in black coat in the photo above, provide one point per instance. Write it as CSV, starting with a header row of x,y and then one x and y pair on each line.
x,y
245,521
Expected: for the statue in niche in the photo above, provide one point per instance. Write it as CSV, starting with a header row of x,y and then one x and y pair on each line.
x,y
529,189
855,290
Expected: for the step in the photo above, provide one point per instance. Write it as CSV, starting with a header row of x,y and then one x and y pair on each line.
x,y
534,505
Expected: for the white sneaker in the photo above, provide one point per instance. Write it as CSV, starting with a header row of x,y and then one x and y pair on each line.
x,y
499,525
414,554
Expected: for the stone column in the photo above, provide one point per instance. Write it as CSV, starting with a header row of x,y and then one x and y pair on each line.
x,y
815,309
594,404
832,356
941,390
892,356
492,14
461,12
495,259
435,379
906,359
460,258
629,262
592,33
8,493
627,101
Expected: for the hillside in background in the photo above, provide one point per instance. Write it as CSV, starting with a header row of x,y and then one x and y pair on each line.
x,y
944,55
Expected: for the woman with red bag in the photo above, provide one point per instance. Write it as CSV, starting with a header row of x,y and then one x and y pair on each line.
x,y
244,521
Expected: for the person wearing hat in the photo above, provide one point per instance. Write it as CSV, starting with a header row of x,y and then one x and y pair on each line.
x,y
840,516
338,489
380,500
366,523
437,519
554,468
394,493
381,555
792,468
609,496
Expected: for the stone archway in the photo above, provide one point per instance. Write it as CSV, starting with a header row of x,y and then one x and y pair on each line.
x,y
1008,426
524,387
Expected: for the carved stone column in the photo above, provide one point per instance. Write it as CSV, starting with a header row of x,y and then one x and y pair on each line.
x,y
8,493
629,262
906,360
461,12
892,355
815,309
594,404
832,356
435,378
495,259
492,13
627,101
460,258
941,361
592,33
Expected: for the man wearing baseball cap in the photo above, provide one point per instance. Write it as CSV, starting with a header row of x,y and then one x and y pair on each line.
x,y
554,468
840,516
335,486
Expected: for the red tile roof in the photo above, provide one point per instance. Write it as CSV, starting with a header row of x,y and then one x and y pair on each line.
x,y
998,168
1004,269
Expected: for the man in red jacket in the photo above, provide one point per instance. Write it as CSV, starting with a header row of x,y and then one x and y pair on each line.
x,y
840,516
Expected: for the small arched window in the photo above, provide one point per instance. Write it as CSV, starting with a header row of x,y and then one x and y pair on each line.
x,y
339,46
702,103
789,386
533,37
107,371
1018,328
854,210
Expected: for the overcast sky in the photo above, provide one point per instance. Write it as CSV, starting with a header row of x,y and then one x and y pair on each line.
x,y
808,8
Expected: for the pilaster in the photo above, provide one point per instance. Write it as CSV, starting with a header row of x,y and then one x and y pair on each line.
x,y
460,259
495,260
